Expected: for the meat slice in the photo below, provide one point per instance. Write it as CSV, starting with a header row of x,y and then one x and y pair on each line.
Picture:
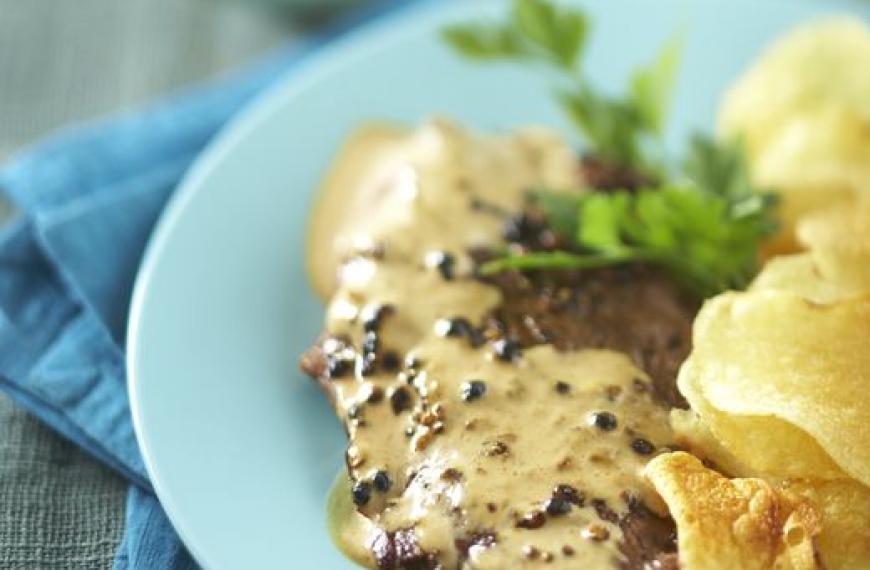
x,y
632,309
635,310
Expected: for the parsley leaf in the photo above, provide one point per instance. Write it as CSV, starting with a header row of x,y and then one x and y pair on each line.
x,y
600,219
561,210
704,228
482,42
558,32
610,125
652,86
706,236
719,168
620,130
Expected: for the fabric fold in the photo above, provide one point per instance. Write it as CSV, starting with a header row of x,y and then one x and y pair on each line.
x,y
58,361
88,199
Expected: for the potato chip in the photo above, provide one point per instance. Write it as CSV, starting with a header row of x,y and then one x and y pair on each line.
x,y
784,372
804,113
734,523
839,241
818,65
838,263
817,159
692,433
755,445
798,274
844,541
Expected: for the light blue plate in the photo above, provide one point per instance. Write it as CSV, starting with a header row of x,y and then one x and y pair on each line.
x,y
240,445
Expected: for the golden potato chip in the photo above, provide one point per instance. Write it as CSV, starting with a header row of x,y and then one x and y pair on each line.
x,y
798,274
754,445
818,65
839,241
838,263
804,112
692,433
844,505
816,159
733,523
784,372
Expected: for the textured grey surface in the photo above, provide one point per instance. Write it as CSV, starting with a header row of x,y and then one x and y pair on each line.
x,y
58,509
64,61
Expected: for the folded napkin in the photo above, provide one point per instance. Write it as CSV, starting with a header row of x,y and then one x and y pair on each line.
x,y
88,200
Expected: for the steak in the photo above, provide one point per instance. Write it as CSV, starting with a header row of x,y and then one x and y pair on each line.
x,y
635,310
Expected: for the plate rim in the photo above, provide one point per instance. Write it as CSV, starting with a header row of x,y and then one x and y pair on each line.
x,y
319,57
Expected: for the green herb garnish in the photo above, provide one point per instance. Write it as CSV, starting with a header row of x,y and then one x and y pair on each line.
x,y
703,226
623,130
704,230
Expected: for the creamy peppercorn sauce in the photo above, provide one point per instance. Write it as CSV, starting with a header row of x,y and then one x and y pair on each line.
x,y
467,450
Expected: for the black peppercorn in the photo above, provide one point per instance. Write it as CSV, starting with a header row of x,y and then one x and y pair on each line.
x,y
557,506
563,387
382,481
337,367
454,327
443,261
373,316
605,421
520,226
476,338
361,492
642,446
391,361
473,390
376,395
568,493
506,350
400,400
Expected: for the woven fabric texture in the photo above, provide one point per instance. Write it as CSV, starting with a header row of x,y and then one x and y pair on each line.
x,y
58,508
62,62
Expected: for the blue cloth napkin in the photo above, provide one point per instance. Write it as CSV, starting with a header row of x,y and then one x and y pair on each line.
x,y
88,200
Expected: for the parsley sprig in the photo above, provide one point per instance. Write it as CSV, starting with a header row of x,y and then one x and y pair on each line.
x,y
704,230
703,225
623,130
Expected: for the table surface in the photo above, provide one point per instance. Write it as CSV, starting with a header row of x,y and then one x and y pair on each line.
x,y
66,62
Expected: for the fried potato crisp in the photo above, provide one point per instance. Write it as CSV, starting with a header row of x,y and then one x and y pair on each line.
x,y
755,445
797,273
734,523
804,114
781,379
818,65
816,160
693,433
839,241
838,262
844,506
